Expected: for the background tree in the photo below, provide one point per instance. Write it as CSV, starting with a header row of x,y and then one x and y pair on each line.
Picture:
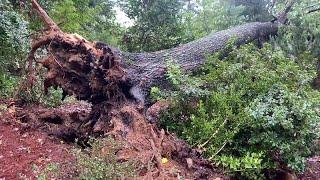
x,y
211,16
14,45
256,10
157,24
93,19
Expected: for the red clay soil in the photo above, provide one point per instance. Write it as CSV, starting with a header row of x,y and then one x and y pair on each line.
x,y
24,154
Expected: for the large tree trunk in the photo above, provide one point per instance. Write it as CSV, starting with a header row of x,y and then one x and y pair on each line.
x,y
148,69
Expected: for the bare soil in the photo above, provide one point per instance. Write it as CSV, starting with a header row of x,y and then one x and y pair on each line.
x,y
26,152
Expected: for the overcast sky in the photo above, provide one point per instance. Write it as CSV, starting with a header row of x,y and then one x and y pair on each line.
x,y
122,18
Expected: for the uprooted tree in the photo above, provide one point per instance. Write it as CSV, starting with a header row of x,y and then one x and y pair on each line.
x,y
117,83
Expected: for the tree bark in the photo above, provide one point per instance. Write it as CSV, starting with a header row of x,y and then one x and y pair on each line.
x,y
148,69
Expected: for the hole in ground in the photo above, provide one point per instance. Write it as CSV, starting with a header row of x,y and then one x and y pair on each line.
x,y
53,119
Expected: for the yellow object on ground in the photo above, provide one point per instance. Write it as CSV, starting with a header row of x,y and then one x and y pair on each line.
x,y
164,160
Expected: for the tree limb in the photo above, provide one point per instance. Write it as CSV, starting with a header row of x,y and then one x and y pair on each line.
x,y
44,16
313,10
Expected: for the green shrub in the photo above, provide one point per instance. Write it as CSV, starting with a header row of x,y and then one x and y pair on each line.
x,y
35,94
50,171
256,102
301,36
8,85
100,162
284,122
53,99
14,45
250,165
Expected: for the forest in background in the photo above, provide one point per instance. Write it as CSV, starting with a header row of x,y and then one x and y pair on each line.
x,y
251,110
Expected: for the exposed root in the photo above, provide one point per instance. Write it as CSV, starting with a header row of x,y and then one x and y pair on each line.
x,y
141,141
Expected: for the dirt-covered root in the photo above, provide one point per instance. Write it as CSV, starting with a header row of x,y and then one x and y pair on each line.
x,y
62,122
149,145
141,142
90,71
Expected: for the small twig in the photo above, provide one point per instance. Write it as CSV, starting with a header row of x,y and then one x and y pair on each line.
x,y
313,10
213,135
224,144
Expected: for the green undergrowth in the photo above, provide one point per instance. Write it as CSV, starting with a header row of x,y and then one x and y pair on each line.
x,y
100,161
252,111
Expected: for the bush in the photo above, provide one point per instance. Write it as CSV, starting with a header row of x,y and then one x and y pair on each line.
x,y
14,45
284,122
100,162
35,94
8,85
258,107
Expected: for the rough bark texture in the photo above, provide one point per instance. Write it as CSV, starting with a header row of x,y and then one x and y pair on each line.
x,y
148,69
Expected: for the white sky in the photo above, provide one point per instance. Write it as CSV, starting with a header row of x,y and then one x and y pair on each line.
x,y
122,18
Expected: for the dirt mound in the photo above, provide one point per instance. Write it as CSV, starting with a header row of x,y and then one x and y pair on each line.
x,y
142,142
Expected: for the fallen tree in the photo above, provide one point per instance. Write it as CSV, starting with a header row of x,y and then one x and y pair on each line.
x,y
117,83
144,70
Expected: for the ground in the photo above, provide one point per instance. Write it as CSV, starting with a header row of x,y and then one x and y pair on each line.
x,y
29,153
313,169
25,154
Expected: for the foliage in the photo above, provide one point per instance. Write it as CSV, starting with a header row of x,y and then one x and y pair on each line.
x,y
248,166
302,36
214,15
8,85
35,94
157,24
94,19
257,10
53,98
51,170
100,161
285,122
68,13
245,91
13,35
104,27
155,94
13,47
